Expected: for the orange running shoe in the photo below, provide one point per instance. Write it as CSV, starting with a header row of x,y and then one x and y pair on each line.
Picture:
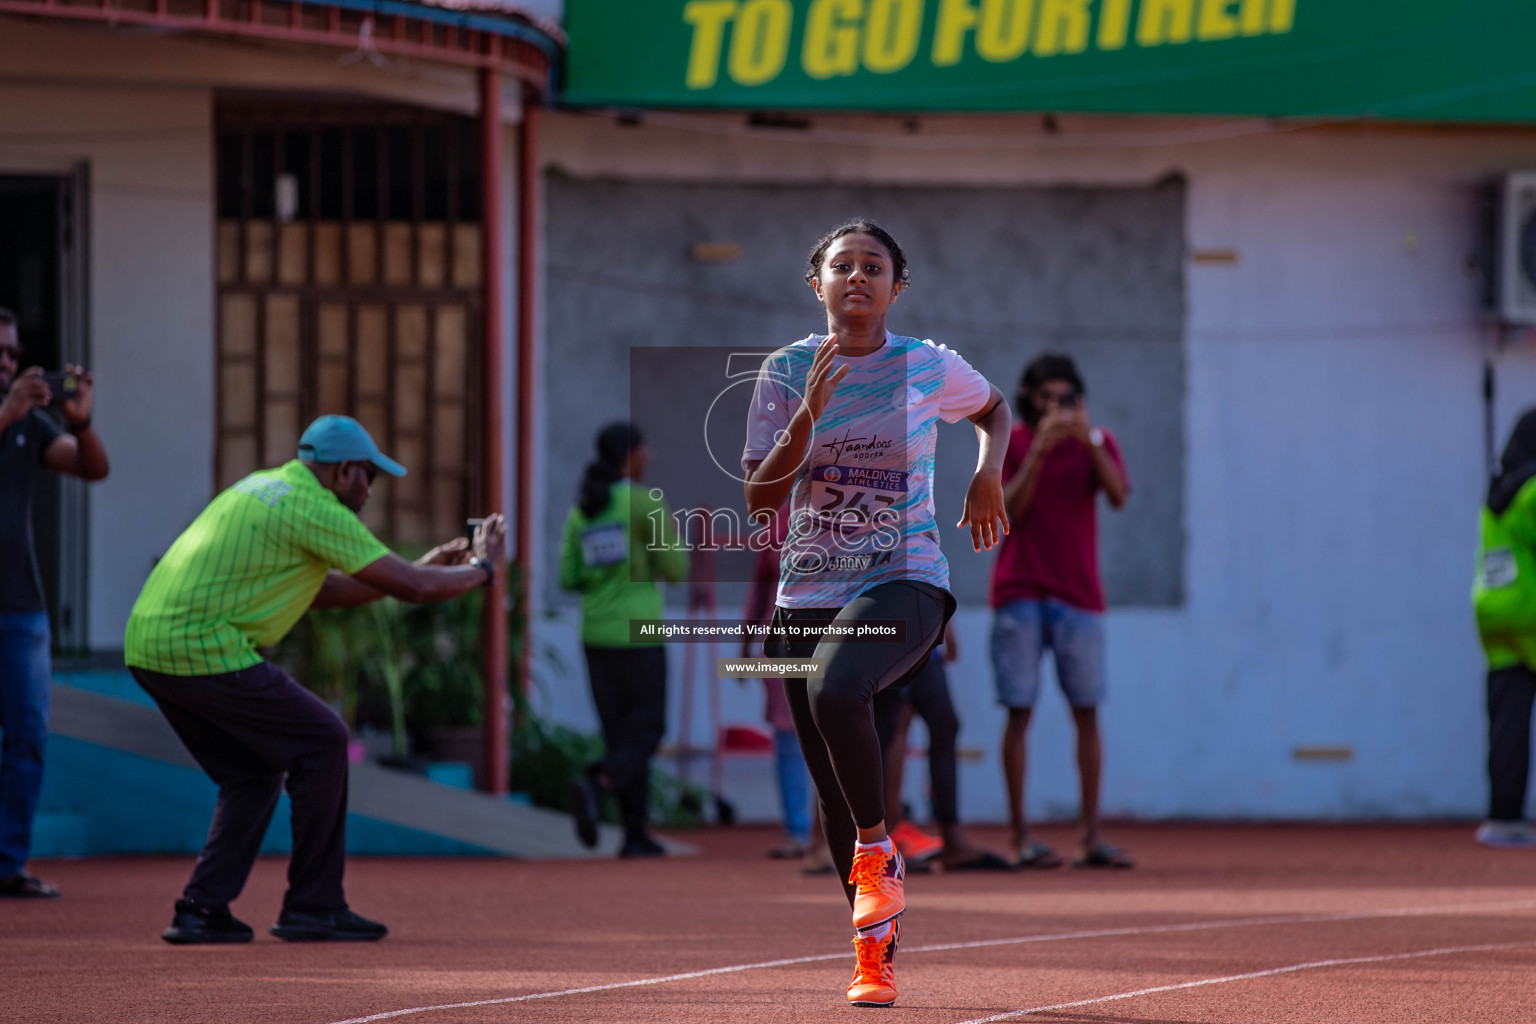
x,y
879,893
915,844
874,978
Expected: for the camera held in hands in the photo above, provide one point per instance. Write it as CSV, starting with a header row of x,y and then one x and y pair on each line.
x,y
62,385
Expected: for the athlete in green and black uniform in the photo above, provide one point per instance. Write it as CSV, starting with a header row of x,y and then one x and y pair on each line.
x,y
265,551
1504,598
608,555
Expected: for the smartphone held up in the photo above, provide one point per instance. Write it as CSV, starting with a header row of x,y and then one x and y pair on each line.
x,y
62,385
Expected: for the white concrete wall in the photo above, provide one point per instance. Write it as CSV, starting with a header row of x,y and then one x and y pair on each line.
x,y
150,230
1335,457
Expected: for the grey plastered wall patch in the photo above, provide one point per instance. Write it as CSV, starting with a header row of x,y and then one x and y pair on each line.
x,y
998,274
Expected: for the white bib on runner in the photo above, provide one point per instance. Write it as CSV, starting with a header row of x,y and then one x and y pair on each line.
x,y
1499,568
604,544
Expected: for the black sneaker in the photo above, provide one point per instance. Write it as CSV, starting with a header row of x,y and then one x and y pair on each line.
x,y
22,886
195,924
585,810
642,846
331,926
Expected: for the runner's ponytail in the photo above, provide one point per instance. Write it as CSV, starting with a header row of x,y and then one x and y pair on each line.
x,y
614,443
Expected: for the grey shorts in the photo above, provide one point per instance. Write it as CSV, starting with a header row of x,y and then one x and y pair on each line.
x,y
1021,633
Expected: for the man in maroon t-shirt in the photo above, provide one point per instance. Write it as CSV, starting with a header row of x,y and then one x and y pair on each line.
x,y
1046,591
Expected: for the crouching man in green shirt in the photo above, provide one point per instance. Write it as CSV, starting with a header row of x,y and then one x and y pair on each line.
x,y
1504,598
266,550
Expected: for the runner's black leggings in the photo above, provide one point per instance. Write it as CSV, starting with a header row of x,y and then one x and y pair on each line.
x,y
1511,692
834,716
629,690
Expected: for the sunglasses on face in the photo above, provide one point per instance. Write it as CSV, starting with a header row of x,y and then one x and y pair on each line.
x,y
1064,400
12,352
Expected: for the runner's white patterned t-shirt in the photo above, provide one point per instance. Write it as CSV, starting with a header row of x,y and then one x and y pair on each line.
x,y
861,512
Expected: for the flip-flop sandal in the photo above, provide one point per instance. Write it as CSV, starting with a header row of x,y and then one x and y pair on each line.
x,y
1037,856
984,861
1104,855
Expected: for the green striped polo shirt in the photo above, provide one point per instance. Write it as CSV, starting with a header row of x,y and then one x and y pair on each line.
x,y
243,573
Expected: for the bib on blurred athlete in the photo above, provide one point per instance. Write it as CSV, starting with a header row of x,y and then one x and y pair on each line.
x,y
604,544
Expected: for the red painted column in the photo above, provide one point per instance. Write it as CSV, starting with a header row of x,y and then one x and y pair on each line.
x,y
527,304
493,623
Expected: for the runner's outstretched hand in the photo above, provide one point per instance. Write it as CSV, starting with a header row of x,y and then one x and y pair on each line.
x,y
821,380
985,510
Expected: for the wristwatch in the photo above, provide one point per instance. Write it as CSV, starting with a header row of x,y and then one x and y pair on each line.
x,y
1096,437
490,573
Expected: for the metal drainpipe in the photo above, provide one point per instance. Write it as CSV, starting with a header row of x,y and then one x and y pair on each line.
x,y
527,303
493,622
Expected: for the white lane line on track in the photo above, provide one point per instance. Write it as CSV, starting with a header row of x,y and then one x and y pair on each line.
x,y
1250,976
1154,929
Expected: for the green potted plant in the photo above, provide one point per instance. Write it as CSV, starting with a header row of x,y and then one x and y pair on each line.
x,y
443,688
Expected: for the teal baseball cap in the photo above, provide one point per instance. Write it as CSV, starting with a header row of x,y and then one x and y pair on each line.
x,y
343,439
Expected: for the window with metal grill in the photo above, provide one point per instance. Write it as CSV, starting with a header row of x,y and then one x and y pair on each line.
x,y
348,267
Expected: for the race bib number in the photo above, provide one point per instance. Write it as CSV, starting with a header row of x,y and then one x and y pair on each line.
x,y
852,498
607,544
1499,568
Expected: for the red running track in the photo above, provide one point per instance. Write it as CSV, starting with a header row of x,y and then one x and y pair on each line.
x,y
1277,924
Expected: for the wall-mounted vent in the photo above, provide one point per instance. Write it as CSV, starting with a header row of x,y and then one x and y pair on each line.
x,y
1517,249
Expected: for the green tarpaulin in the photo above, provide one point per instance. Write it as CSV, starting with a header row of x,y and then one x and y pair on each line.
x,y
1451,60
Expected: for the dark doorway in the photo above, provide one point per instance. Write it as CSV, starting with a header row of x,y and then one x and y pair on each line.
x,y
36,284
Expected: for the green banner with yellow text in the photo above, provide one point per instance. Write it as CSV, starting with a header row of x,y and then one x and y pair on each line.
x,y
1425,60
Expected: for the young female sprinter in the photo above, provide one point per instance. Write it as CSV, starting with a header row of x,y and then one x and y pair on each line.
x,y
843,426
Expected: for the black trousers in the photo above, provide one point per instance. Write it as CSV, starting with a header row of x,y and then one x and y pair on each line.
x,y
928,694
834,715
1510,695
253,732
629,689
